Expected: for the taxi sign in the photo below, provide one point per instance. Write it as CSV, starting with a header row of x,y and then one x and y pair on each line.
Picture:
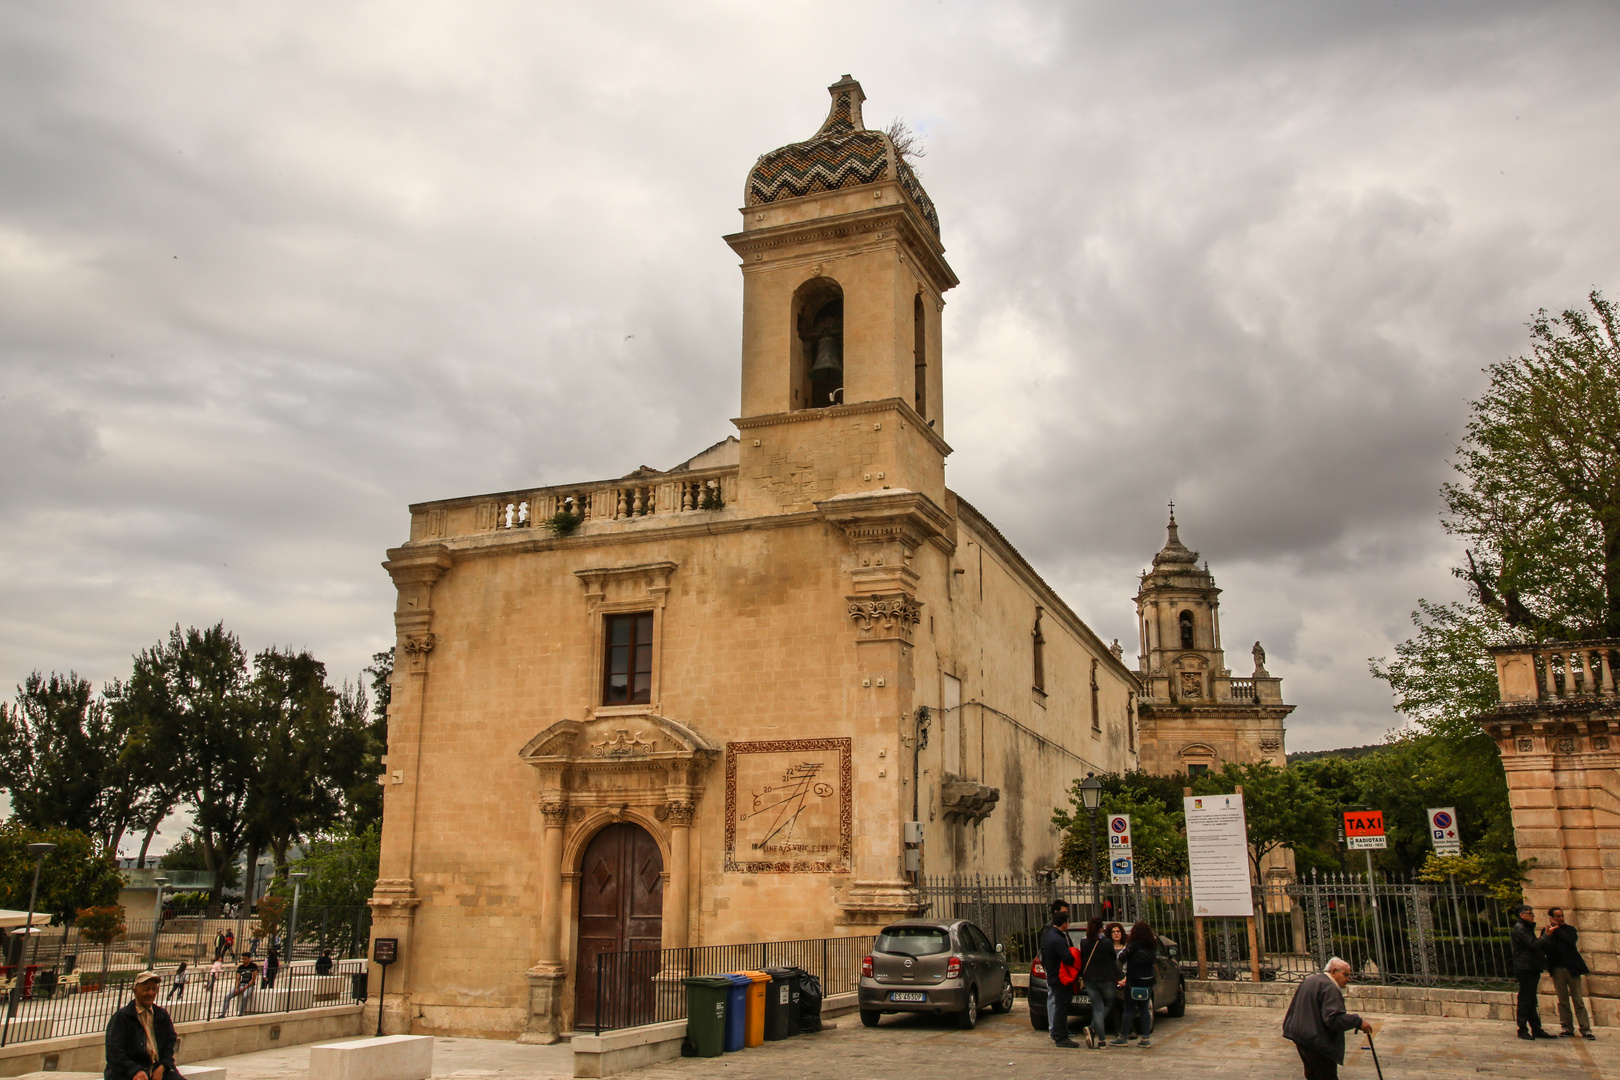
x,y
1364,830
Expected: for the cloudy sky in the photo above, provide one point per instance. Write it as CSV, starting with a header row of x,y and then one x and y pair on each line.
x,y
269,273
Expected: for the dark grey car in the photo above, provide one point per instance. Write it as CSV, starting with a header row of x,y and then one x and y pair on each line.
x,y
935,966
1169,991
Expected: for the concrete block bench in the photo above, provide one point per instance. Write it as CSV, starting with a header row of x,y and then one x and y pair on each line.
x,y
183,1011
392,1057
203,1072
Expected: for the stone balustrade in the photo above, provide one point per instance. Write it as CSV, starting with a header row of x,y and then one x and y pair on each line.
x,y
1242,689
638,497
1556,671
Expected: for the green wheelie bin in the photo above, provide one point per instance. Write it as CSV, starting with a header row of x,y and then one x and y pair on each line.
x,y
706,1015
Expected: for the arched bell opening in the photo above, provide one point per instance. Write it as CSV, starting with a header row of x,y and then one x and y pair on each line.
x,y
818,345
1187,630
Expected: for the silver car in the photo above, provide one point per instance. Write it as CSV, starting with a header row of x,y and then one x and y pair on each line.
x,y
934,966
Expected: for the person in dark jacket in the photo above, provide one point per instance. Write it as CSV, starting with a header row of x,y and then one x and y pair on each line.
x,y
272,965
1568,969
1056,950
1529,957
1316,1021
323,963
1099,970
140,1036
1140,960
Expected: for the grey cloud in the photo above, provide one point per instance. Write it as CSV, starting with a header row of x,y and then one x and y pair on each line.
x,y
269,275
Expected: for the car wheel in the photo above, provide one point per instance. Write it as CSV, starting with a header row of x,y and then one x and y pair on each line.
x,y
1006,1002
870,1017
1178,1007
970,1015
1037,1020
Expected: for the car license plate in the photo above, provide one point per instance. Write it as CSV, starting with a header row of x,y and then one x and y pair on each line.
x,y
906,995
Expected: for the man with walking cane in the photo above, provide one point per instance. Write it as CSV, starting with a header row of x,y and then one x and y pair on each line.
x,y
1316,1021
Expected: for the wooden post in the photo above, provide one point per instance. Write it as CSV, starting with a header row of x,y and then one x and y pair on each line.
x,y
1254,940
1198,928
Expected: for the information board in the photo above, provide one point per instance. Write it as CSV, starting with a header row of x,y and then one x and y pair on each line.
x,y
1218,855
1444,831
1121,859
385,950
1364,830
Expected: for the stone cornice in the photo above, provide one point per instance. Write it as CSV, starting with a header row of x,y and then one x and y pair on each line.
x,y
900,215
854,408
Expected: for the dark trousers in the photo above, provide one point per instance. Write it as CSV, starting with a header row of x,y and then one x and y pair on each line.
x,y
1528,1016
1317,1066
1057,1010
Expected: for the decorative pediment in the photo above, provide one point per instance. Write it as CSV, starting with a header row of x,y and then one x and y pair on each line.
x,y
1197,751
613,739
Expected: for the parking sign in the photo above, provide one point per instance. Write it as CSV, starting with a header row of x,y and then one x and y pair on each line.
x,y
1444,831
1121,862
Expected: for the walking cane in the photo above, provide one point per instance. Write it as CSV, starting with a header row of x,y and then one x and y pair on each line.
x,y
1374,1050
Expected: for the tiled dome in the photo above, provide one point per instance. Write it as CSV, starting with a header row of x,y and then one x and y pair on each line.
x,y
843,153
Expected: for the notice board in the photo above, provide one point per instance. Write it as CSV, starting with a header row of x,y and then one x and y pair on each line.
x,y
1218,855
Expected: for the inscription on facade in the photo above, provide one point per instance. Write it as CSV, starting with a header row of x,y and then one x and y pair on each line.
x,y
788,806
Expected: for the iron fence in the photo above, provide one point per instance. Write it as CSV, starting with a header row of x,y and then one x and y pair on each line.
x,y
1391,930
629,989
81,1003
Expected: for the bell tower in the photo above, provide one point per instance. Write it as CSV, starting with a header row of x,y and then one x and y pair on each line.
x,y
843,283
1194,714
1178,608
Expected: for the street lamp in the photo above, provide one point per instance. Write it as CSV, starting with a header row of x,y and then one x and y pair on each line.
x,y
1091,798
157,918
38,851
297,877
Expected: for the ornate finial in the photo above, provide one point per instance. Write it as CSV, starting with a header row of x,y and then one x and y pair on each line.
x,y
845,114
1172,514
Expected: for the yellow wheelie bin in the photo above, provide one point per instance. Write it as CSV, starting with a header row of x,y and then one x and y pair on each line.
x,y
754,1034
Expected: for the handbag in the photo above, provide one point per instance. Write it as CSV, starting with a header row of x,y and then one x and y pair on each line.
x,y
1141,993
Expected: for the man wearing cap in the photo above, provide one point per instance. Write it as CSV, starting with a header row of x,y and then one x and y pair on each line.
x,y
140,1036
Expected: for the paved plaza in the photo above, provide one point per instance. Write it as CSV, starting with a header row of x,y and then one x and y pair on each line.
x,y
1210,1041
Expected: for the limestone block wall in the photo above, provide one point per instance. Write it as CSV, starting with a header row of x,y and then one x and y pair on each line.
x,y
1564,785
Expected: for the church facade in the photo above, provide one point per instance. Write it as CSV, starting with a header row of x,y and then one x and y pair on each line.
x,y
754,696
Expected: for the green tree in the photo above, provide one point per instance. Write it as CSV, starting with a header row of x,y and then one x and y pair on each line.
x,y
78,873
1538,503
60,758
1159,843
307,753
101,925
342,869
189,695
365,797
187,854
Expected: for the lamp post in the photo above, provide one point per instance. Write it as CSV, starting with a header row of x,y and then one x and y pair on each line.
x,y
297,877
1091,798
158,884
38,851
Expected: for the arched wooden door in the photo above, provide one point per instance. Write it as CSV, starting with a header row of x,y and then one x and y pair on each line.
x,y
621,908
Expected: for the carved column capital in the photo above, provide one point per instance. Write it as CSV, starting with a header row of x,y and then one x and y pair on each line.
x,y
394,896
555,812
679,813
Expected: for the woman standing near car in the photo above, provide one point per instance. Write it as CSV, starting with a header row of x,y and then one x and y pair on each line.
x,y
1099,970
1141,958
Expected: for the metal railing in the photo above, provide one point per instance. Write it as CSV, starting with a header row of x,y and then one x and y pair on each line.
x,y
644,986
1391,930
81,1004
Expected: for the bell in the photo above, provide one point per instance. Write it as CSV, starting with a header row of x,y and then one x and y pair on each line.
x,y
829,363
